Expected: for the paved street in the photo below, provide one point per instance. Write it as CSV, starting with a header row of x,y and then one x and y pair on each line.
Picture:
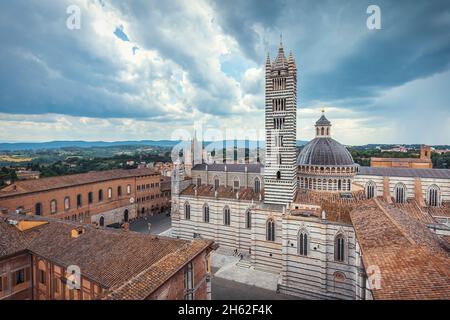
x,y
160,223
223,289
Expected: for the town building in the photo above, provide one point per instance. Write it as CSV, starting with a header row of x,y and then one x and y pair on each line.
x,y
51,259
103,197
330,229
424,162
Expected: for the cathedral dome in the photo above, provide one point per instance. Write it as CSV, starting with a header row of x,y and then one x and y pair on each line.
x,y
325,151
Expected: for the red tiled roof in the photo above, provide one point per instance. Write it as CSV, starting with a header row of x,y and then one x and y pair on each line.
x,y
413,262
107,256
222,192
28,186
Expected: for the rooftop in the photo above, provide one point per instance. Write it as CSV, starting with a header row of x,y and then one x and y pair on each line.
x,y
43,184
230,167
107,256
223,192
405,172
413,261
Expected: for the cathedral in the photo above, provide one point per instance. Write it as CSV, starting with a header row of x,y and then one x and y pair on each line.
x,y
330,229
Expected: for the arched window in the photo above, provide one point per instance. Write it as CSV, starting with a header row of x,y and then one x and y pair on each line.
x,y
109,193
400,193
187,211
317,131
278,175
119,191
328,131
257,185
248,219
322,131
226,216
100,195
66,203
53,207
216,183
339,248
434,196
236,184
303,243
206,213
128,189
370,190
102,222
38,209
270,230
90,197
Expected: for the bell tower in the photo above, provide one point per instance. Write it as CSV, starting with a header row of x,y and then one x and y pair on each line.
x,y
280,172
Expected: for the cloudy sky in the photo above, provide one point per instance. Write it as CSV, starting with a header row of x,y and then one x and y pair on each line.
x,y
143,69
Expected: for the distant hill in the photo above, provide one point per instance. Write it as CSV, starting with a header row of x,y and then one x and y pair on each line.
x,y
81,144
19,146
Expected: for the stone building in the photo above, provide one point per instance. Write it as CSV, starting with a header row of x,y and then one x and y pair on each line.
x,y
423,162
103,197
317,240
52,259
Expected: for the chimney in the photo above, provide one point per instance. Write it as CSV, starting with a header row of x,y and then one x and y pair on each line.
x,y
76,232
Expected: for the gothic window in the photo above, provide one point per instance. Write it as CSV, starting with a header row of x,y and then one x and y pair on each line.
x,y
187,211
433,196
322,131
216,183
66,203
270,230
248,219
226,216
278,175
370,190
400,193
339,248
328,131
317,131
206,213
303,243
257,185
236,184
53,207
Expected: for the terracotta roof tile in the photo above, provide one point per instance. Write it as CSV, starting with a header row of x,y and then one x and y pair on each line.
x,y
411,267
43,184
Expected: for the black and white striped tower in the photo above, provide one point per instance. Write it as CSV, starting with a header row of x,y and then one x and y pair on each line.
x,y
281,129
